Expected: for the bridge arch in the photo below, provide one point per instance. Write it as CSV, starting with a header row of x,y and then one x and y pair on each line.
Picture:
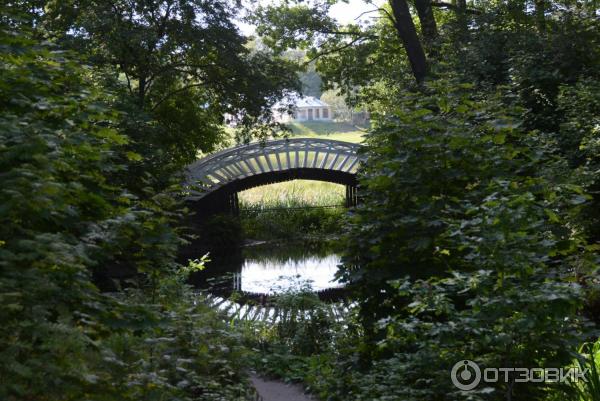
x,y
214,181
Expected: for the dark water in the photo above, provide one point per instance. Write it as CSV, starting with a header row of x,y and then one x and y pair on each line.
x,y
272,268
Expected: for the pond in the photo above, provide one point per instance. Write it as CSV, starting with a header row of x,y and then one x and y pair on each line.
x,y
271,269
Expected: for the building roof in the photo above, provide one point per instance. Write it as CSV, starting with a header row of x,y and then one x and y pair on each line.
x,y
300,101
309,101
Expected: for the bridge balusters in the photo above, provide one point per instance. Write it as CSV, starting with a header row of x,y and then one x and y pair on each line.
x,y
287,156
216,172
268,157
259,163
352,164
314,163
250,168
325,156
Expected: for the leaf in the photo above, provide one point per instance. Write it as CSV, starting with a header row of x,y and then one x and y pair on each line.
x,y
552,216
499,138
133,156
578,200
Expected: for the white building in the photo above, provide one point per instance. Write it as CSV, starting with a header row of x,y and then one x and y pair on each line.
x,y
304,108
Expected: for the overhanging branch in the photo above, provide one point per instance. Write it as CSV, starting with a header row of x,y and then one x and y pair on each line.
x,y
335,50
451,6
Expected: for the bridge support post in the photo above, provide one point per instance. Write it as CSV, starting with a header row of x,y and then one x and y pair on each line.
x,y
233,204
351,196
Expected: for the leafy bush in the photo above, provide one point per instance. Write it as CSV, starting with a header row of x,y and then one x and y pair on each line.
x,y
579,140
184,351
292,223
455,190
589,360
304,332
221,233
64,212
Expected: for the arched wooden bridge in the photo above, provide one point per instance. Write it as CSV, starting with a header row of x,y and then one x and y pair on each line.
x,y
214,181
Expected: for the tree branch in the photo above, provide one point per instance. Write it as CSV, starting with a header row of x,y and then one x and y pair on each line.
x,y
335,50
370,11
347,33
129,84
168,95
451,6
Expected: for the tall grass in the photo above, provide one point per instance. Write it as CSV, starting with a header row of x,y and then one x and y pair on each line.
x,y
292,210
589,358
297,193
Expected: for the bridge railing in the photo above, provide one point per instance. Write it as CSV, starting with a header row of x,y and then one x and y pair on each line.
x,y
221,168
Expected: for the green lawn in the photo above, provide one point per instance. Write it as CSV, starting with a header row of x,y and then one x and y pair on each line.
x,y
328,129
339,131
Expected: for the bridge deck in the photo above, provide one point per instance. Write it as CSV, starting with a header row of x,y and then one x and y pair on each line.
x,y
213,172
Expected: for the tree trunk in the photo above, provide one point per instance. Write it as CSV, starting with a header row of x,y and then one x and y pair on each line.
x,y
141,91
408,34
461,16
540,15
428,25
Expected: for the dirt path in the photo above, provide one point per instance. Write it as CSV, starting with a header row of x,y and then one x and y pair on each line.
x,y
271,390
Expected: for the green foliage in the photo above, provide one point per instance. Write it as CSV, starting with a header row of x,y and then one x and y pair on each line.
x,y
305,334
578,136
469,204
57,211
284,223
222,232
311,82
327,129
66,213
292,210
189,354
476,237
185,67
339,109
589,360
509,321
306,329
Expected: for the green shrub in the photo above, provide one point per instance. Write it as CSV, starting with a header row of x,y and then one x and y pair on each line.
x,y
64,211
292,223
589,361
453,190
222,233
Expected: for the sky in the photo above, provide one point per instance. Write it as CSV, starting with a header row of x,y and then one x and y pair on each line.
x,y
345,13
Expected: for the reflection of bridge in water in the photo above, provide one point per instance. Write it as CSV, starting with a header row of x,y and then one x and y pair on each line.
x,y
214,181
272,313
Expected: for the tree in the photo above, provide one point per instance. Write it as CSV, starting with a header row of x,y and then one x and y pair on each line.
x,y
294,24
67,212
311,82
302,26
405,27
340,109
185,65
461,248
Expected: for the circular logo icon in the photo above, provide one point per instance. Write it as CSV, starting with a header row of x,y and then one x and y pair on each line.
x,y
465,375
